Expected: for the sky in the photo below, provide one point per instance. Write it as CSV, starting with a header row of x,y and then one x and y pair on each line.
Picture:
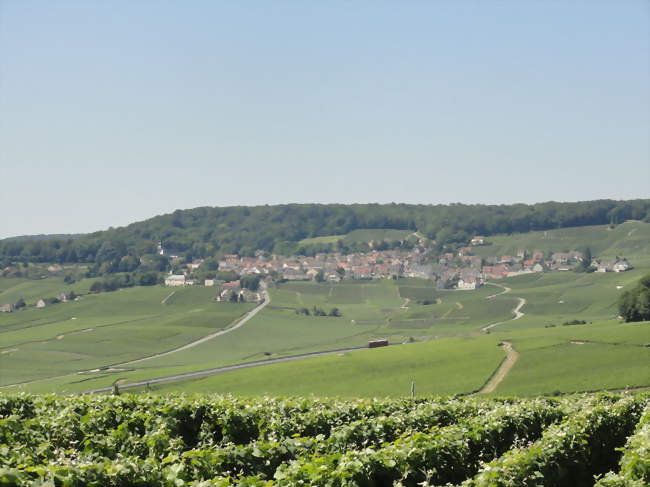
x,y
115,111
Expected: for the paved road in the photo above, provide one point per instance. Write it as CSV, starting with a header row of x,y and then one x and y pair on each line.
x,y
227,368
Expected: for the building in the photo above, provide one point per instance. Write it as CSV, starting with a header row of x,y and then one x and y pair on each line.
x,y
468,283
175,280
478,240
40,303
621,265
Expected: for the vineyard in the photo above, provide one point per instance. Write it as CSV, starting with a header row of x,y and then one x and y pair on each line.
x,y
601,440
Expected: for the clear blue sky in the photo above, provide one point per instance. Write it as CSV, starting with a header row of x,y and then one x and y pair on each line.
x,y
115,111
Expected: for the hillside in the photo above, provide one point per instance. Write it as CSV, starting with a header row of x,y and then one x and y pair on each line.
x,y
45,349
204,232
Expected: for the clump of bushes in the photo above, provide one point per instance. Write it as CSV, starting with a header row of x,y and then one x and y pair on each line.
x,y
334,312
574,322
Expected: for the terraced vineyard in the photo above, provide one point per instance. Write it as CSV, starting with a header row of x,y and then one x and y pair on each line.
x,y
222,441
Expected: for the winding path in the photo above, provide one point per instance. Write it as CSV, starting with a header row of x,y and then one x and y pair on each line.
x,y
508,363
517,309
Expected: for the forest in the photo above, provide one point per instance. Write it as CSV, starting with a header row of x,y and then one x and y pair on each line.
x,y
207,231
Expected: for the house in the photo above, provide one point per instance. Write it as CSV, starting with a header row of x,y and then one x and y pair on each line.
x,y
621,265
538,267
312,273
464,251
294,274
7,308
421,271
232,285
362,272
561,257
478,240
505,259
175,280
538,256
249,296
40,303
468,283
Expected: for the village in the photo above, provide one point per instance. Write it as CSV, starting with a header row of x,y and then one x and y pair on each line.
x,y
462,269
458,270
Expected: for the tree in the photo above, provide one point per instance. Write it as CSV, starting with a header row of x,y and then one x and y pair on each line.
x,y
341,272
250,282
20,303
335,312
96,287
634,305
320,276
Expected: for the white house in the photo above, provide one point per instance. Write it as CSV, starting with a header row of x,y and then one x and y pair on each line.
x,y
621,266
468,283
40,303
175,280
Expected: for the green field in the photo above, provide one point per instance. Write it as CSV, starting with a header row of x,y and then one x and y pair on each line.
x,y
376,234
629,239
106,329
360,236
45,349
327,239
448,366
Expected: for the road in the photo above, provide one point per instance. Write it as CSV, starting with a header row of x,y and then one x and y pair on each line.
x,y
243,320
517,309
227,368
508,363
240,323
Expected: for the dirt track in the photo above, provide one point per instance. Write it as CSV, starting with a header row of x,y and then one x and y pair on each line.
x,y
508,363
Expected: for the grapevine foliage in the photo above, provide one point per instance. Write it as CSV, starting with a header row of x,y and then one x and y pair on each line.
x,y
222,441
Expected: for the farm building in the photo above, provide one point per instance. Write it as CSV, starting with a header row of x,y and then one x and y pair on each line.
x,y
175,280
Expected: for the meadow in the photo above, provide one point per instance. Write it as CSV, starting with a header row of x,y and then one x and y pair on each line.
x,y
102,330
45,349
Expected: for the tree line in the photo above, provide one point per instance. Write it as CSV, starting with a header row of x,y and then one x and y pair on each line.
x,y
206,232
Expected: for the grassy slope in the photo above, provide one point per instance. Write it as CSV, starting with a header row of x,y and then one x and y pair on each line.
x,y
321,240
374,309
104,329
627,239
446,366
31,290
376,234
